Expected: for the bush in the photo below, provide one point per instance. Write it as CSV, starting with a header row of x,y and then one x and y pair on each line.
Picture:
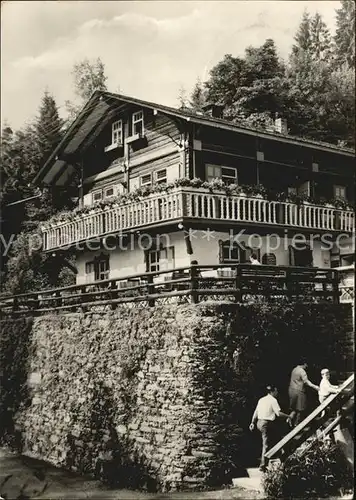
x,y
321,472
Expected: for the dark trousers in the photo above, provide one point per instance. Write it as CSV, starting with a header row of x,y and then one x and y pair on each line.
x,y
266,428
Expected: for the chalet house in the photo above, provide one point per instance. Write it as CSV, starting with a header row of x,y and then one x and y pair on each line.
x,y
215,192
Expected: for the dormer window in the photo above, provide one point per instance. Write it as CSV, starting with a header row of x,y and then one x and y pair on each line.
x,y
116,133
137,123
117,136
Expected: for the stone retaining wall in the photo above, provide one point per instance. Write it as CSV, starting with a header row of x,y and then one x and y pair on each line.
x,y
161,397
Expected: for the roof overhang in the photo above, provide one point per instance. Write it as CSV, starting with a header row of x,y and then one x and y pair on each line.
x,y
100,109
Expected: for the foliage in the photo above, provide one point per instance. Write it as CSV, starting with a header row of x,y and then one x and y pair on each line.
x,y
182,98
307,90
14,366
23,153
312,40
345,33
88,76
197,98
30,269
321,472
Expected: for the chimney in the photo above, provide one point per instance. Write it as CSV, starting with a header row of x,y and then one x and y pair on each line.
x,y
281,126
214,110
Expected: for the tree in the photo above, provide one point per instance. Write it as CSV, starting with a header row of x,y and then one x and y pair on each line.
x,y
182,97
23,154
197,97
224,80
320,39
48,127
87,77
312,40
248,87
345,33
302,38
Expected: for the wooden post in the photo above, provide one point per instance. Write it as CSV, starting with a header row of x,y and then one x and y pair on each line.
x,y
150,289
238,284
335,287
194,283
35,303
112,294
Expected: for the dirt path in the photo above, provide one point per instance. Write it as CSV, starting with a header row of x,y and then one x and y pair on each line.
x,y
25,478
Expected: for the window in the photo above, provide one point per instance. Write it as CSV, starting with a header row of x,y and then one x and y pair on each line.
x,y
340,192
137,123
269,259
108,192
146,180
97,195
226,174
161,176
231,252
160,259
102,194
101,268
116,133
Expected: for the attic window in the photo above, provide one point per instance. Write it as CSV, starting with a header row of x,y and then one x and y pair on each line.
x,y
117,136
116,133
137,123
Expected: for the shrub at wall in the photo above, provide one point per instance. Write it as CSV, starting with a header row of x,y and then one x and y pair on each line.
x,y
15,340
320,473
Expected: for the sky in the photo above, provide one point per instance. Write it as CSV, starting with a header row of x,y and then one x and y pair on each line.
x,y
150,49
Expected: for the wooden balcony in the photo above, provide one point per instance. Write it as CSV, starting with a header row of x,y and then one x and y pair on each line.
x,y
239,283
196,205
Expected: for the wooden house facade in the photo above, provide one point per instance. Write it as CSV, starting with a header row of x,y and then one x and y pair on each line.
x,y
160,188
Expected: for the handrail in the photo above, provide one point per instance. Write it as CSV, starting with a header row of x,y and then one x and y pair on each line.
x,y
315,413
253,269
243,280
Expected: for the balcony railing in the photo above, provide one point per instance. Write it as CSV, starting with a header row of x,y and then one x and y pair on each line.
x,y
187,203
239,283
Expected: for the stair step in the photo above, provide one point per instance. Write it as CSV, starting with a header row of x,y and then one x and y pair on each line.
x,y
249,483
255,472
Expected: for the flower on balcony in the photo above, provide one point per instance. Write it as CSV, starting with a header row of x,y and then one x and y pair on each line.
x,y
216,185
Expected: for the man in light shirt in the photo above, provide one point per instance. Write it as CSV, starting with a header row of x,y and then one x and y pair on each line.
x,y
325,388
265,414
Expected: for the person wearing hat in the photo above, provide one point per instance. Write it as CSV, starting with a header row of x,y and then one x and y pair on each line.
x,y
326,388
265,414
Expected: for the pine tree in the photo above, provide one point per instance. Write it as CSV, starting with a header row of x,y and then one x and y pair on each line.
x,y
345,33
302,38
313,40
320,47
48,127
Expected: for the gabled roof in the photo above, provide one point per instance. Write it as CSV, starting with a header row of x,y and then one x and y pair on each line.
x,y
100,109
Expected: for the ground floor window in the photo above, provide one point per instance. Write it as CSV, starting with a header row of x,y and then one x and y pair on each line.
x,y
98,269
160,259
300,257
